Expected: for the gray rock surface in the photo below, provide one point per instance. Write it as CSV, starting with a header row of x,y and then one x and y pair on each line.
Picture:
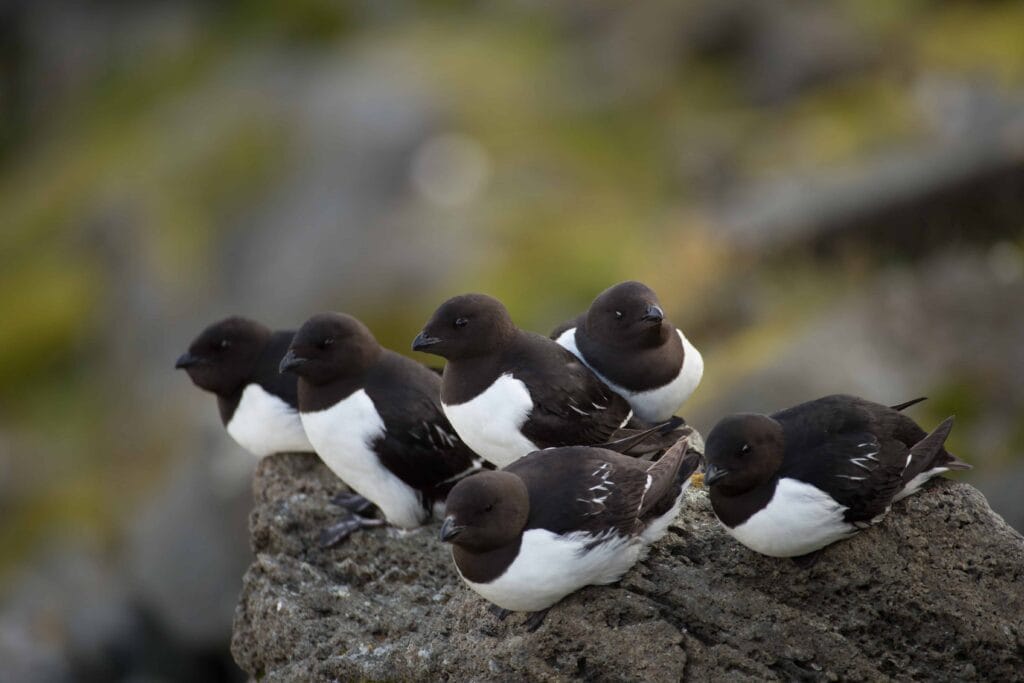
x,y
936,592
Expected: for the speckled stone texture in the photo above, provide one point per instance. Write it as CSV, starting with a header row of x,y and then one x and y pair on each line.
x,y
935,592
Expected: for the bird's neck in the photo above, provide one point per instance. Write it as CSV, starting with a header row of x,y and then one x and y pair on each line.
x,y
316,397
466,378
487,565
228,405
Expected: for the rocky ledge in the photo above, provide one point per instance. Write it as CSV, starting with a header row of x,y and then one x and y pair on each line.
x,y
935,592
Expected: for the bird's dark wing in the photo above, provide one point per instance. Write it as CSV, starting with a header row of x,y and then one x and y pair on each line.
x,y
571,406
577,410
582,489
418,445
597,491
666,478
861,470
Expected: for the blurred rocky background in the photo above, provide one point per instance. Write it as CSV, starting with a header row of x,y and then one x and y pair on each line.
x,y
828,196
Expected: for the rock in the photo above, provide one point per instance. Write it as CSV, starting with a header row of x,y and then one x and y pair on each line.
x,y
934,592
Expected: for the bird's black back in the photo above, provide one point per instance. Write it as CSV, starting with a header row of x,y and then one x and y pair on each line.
x,y
595,490
571,405
854,450
419,445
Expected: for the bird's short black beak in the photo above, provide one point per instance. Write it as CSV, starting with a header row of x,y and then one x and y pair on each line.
x,y
713,473
423,341
653,314
290,362
186,360
449,529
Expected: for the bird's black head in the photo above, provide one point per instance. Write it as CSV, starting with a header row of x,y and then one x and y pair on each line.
x,y
627,315
486,511
466,326
743,451
330,346
222,358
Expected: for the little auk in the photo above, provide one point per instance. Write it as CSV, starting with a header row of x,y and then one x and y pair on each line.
x,y
509,392
528,535
375,418
626,340
237,360
791,483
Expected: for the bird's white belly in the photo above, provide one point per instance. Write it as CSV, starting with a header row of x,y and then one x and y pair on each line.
x,y
264,424
343,435
549,567
660,403
917,482
658,526
490,422
799,519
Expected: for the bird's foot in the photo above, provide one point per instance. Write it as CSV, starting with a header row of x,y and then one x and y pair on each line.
x,y
352,502
339,531
535,619
398,532
807,561
499,612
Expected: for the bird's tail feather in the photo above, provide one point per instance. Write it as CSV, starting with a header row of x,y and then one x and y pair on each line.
x,y
668,473
930,453
650,439
907,404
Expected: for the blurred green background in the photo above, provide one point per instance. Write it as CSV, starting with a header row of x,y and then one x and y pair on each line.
x,y
827,196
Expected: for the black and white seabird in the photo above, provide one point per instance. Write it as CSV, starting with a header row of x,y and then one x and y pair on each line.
x,y
626,340
528,535
237,359
789,484
375,418
509,392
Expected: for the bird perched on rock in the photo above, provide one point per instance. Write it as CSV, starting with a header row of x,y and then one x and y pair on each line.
x,y
236,359
375,419
625,338
791,483
509,392
528,535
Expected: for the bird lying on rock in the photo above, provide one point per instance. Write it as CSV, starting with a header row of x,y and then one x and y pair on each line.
x,y
791,483
528,535
509,392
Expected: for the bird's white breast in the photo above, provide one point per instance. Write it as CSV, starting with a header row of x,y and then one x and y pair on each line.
x,y
264,424
343,436
490,423
799,519
661,403
550,566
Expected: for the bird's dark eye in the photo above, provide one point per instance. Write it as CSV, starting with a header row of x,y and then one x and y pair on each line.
x,y
489,507
224,344
618,315
461,322
744,449
326,342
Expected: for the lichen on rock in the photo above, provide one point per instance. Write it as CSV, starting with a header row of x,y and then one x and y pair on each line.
x,y
935,592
